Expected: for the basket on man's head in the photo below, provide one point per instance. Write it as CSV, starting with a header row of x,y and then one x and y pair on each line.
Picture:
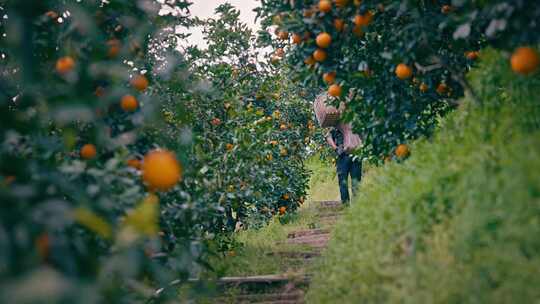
x,y
326,114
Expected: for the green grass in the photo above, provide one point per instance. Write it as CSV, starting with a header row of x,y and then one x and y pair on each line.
x,y
459,221
323,185
252,256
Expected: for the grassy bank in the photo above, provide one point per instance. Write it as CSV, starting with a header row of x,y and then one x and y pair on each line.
x,y
459,221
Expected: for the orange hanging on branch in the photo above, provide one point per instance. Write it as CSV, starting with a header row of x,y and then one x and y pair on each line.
x,y
160,170
88,151
129,103
525,61
323,40
403,71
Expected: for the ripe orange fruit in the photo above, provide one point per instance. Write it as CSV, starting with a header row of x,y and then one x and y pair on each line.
x,y
402,151
442,88
134,163
525,60
329,77
283,127
310,60
339,24
88,151
282,210
319,55
65,65
325,6
283,35
129,103
114,48
297,38
323,40
472,55
139,82
423,87
357,2
446,9
363,20
229,146
403,71
160,170
334,90
341,3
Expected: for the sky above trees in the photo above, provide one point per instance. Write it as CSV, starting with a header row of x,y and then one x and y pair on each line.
x,y
205,9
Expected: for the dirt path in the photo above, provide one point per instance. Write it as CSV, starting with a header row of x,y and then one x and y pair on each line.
x,y
286,288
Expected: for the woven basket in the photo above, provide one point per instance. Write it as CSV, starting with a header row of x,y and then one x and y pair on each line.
x,y
327,116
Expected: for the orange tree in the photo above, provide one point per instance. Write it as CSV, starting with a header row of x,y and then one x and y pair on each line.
x,y
123,159
399,65
249,128
77,213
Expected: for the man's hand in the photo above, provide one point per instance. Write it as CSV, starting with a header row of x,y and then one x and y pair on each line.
x,y
331,142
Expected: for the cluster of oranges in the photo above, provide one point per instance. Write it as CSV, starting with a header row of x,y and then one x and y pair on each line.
x,y
324,40
524,60
160,168
128,103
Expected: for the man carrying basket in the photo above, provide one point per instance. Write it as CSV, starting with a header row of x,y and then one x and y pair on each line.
x,y
343,141
346,164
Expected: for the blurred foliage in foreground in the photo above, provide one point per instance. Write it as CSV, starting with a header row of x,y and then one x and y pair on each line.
x,y
88,89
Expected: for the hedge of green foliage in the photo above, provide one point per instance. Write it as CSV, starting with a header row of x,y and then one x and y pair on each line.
x,y
458,222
